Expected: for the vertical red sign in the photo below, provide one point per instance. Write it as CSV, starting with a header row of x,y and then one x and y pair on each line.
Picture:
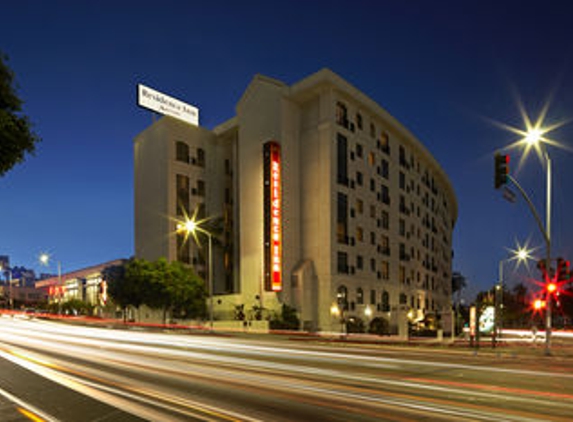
x,y
273,216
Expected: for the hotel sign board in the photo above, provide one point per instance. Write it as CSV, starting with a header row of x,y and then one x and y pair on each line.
x,y
272,198
164,104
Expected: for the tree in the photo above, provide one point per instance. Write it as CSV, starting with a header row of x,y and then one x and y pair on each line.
x,y
171,287
16,136
124,284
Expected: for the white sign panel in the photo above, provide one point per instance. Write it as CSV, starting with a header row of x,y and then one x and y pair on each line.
x,y
164,104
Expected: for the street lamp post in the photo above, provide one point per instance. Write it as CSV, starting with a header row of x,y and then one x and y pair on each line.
x,y
190,226
45,260
533,138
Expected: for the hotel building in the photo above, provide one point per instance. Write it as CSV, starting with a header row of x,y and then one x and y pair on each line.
x,y
318,199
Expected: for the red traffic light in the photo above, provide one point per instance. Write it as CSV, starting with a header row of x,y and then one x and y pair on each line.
x,y
501,170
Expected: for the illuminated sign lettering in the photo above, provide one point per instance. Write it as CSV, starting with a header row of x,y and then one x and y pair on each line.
x,y
273,218
164,104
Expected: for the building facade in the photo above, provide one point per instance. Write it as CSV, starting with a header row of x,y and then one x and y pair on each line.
x,y
316,197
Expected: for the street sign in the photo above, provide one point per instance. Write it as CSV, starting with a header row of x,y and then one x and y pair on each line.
x,y
509,195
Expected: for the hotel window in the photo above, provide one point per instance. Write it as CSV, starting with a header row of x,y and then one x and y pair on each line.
x,y
385,142
384,169
372,130
403,299
402,227
372,265
182,189
385,217
200,157
342,160
373,297
359,120
359,178
385,302
359,234
359,296
402,181
359,206
342,262
372,211
342,218
183,249
371,158
372,238
182,152
402,274
341,114
342,297
200,188
385,245
359,150
385,195
385,270
359,262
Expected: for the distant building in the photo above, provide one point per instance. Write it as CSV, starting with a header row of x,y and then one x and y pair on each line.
x,y
84,284
323,201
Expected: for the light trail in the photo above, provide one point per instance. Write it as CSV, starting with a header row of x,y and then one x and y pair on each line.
x,y
149,372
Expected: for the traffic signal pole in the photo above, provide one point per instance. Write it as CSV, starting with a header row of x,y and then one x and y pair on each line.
x,y
545,231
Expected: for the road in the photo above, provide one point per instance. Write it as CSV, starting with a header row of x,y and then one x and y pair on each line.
x,y
51,371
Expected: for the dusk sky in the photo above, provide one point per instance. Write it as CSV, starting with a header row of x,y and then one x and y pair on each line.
x,y
445,70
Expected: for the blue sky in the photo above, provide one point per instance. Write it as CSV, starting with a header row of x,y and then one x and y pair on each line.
x,y
441,68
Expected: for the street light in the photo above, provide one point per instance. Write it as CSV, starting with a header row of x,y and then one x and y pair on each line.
x,y
521,254
45,260
190,226
534,138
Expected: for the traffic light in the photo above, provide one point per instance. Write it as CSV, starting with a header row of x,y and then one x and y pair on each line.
x,y
539,304
551,287
542,266
563,271
501,170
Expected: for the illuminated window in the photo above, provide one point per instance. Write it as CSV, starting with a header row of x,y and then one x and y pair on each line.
x,y
359,234
385,270
371,158
385,143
